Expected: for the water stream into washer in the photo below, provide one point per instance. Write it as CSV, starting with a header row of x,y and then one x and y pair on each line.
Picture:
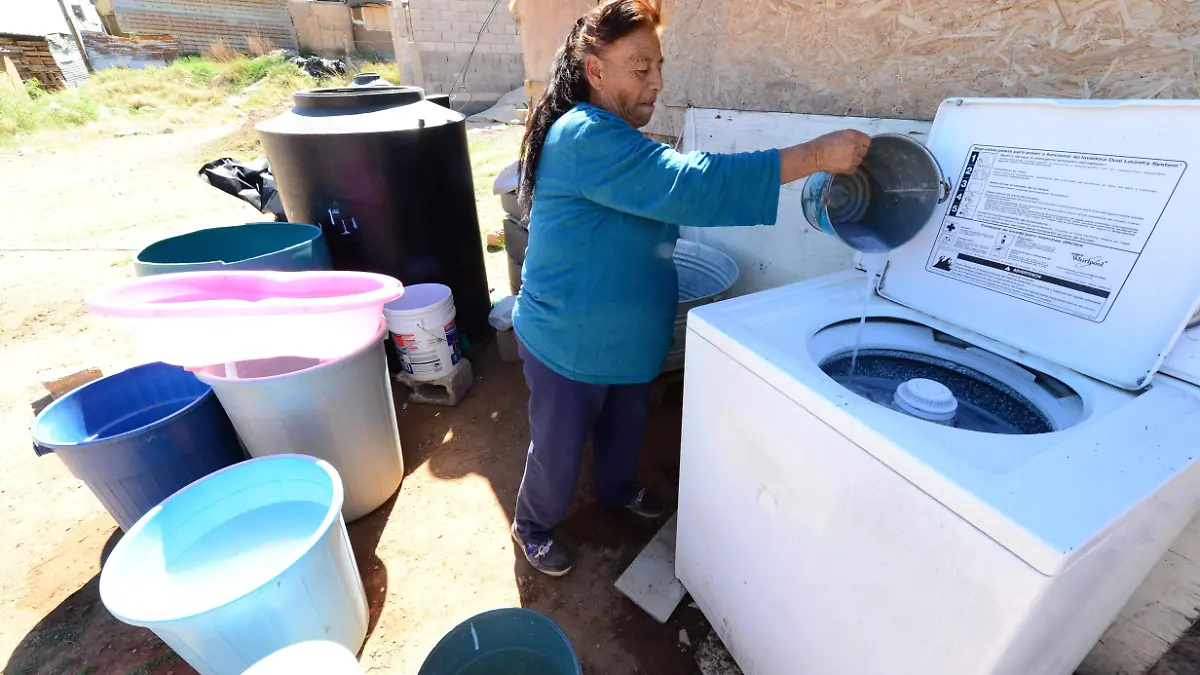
x,y
873,263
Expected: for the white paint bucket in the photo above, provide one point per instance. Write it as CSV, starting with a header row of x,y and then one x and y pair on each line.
x,y
422,326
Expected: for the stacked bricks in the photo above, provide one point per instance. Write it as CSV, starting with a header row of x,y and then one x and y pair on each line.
x,y
198,24
447,30
35,61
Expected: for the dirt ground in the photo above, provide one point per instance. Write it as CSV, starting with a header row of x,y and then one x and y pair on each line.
x,y
435,554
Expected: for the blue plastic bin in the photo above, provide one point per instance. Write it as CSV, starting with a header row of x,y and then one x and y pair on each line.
x,y
138,436
512,641
279,247
241,564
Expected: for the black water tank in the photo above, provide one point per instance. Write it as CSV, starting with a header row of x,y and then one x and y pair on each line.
x,y
387,176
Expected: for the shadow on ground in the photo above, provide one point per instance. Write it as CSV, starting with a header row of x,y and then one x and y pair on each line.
x,y
79,634
610,633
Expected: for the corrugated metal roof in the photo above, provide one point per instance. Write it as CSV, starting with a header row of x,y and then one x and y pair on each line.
x,y
32,17
70,61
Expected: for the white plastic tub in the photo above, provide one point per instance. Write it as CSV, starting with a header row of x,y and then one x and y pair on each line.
x,y
241,564
340,411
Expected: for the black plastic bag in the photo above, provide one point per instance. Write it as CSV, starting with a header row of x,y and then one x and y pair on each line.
x,y
251,182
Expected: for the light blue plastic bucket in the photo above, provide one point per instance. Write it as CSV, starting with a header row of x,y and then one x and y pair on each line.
x,y
240,564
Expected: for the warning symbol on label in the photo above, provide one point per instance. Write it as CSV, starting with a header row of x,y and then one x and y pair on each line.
x,y
943,264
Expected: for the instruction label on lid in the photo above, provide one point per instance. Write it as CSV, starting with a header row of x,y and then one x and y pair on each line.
x,y
1058,229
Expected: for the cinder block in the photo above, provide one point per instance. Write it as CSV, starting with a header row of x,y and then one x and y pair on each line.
x,y
63,381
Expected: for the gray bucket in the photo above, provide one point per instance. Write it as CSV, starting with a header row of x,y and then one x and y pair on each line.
x,y
340,411
705,276
885,203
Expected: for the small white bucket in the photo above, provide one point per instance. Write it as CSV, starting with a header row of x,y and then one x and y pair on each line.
x,y
422,326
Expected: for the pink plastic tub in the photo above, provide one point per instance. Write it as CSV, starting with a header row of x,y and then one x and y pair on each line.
x,y
198,319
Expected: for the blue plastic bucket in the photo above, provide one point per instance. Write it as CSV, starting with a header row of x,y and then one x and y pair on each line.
x,y
241,564
138,436
279,247
512,641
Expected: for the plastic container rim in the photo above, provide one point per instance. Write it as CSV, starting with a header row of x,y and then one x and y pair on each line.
x,y
515,610
335,510
108,302
208,393
317,234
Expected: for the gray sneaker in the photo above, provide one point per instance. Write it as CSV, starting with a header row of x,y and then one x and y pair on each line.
x,y
646,505
547,557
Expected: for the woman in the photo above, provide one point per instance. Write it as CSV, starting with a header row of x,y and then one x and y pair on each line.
x,y
597,308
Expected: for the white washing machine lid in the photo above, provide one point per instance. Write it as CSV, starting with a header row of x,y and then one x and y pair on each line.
x,y
1071,232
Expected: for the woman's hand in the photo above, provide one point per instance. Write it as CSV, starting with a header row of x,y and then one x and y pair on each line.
x,y
838,152
841,151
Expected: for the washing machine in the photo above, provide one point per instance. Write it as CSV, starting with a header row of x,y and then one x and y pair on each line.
x,y
976,477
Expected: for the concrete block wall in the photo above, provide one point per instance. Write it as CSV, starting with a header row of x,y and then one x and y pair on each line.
x,y
446,32
197,24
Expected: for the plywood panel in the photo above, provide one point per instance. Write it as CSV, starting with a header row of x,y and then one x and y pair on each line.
x,y
544,26
900,58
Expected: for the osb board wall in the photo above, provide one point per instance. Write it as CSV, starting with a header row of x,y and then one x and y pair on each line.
x,y
544,26
901,58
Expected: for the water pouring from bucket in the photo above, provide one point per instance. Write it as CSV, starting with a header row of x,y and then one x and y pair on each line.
x,y
883,204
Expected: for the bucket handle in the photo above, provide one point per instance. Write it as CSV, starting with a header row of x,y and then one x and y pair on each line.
x,y
41,450
945,187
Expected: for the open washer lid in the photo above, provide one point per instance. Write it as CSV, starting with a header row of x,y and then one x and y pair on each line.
x,y
1072,233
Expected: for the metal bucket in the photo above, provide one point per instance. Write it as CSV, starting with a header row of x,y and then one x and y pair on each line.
x,y
705,276
885,203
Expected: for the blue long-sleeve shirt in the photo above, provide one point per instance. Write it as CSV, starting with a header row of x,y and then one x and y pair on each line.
x,y
599,292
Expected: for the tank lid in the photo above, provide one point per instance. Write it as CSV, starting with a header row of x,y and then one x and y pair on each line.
x,y
343,98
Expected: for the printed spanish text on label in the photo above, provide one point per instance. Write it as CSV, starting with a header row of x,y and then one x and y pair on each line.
x,y
1059,229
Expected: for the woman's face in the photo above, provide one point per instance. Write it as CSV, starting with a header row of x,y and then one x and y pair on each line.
x,y
626,79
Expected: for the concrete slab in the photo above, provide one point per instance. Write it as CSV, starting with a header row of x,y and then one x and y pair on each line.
x,y
650,580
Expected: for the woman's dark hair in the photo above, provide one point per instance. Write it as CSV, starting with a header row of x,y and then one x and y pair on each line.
x,y
568,85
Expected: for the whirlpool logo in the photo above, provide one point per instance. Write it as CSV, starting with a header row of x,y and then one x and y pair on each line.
x,y
1082,260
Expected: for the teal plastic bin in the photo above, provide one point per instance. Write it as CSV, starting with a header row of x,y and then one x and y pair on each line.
x,y
280,247
512,641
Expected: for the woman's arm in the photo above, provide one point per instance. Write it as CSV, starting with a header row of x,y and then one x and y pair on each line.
x,y
839,152
615,165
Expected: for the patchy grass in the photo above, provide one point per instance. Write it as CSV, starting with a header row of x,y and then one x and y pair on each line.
x,y
220,87
62,634
192,90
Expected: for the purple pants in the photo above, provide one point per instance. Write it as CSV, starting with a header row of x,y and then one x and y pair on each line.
x,y
561,413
